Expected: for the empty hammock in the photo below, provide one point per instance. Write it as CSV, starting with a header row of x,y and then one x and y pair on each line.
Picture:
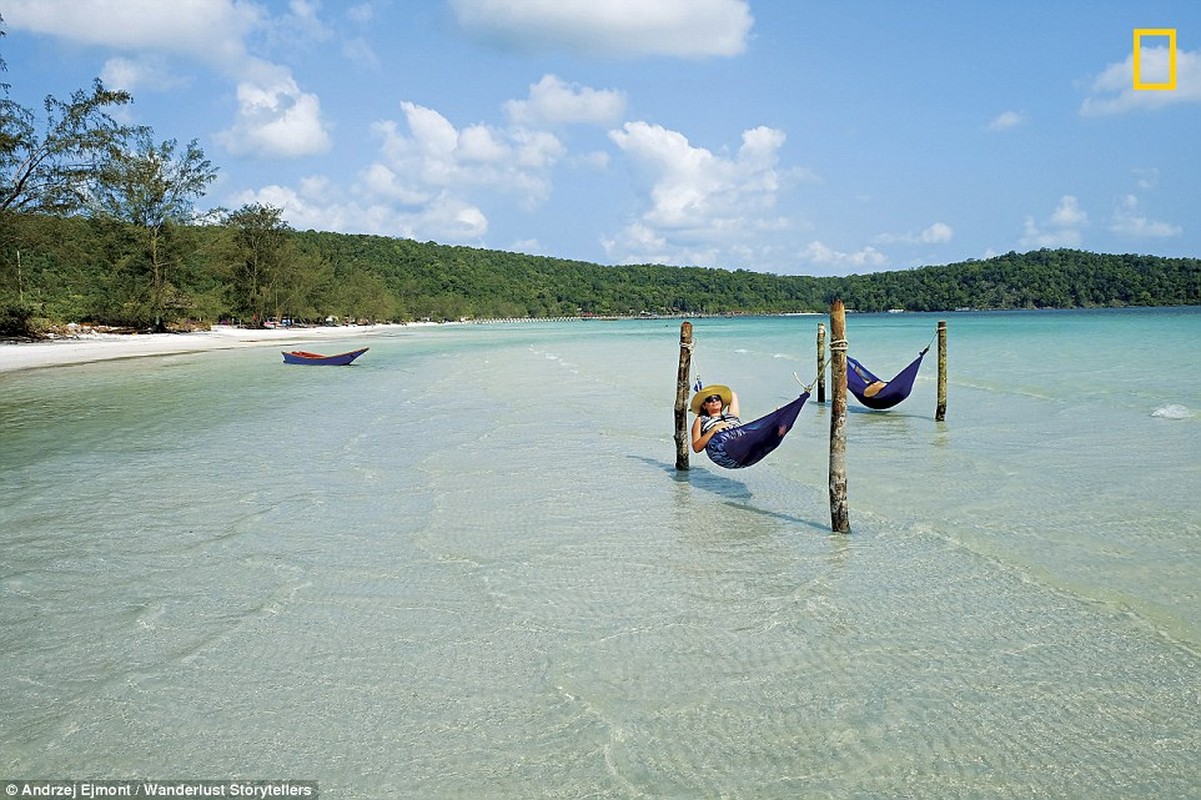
x,y
747,444
860,381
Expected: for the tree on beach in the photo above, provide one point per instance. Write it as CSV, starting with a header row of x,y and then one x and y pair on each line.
x,y
46,168
152,189
261,239
267,275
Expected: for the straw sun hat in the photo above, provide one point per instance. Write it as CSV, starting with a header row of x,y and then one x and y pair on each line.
x,y
708,391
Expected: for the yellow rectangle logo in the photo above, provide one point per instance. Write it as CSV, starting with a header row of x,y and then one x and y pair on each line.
x,y
1139,84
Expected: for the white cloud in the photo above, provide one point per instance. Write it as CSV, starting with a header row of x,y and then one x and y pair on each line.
x,y
640,244
530,246
145,72
443,218
430,168
938,233
480,145
437,155
537,150
357,49
1033,236
822,255
378,180
303,19
1113,92
1007,120
425,179
692,187
640,238
687,28
684,178
211,31
1068,213
275,117
1128,221
1061,230
701,207
553,102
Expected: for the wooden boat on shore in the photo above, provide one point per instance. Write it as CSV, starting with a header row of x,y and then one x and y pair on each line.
x,y
341,359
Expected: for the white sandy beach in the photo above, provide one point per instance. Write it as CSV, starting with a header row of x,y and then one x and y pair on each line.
x,y
105,346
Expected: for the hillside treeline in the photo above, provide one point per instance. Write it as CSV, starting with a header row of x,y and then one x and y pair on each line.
x,y
252,268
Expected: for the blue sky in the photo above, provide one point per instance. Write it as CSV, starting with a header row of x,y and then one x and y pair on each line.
x,y
784,136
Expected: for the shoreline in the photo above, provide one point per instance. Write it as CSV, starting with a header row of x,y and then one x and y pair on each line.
x,y
90,348
87,348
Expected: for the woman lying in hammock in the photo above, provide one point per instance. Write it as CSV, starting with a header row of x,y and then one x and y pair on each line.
x,y
726,439
871,384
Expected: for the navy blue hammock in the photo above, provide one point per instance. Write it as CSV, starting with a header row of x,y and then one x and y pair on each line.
x,y
746,445
860,382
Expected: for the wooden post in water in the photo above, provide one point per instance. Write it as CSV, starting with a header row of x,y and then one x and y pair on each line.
x,y
840,521
940,413
821,362
682,442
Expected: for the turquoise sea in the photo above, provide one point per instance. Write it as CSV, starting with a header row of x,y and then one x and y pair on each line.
x,y
466,566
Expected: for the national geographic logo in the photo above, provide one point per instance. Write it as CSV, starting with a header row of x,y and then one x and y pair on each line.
x,y
1155,84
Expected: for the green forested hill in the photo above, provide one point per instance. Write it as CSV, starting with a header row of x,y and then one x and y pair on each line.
x,y
452,282
492,283
57,269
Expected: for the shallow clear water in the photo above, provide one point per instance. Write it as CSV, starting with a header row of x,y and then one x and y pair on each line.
x,y
466,567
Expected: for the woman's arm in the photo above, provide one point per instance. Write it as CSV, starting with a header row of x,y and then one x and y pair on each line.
x,y
734,403
697,445
698,441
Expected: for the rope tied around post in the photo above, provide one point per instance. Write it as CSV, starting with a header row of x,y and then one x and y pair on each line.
x,y
839,345
808,388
